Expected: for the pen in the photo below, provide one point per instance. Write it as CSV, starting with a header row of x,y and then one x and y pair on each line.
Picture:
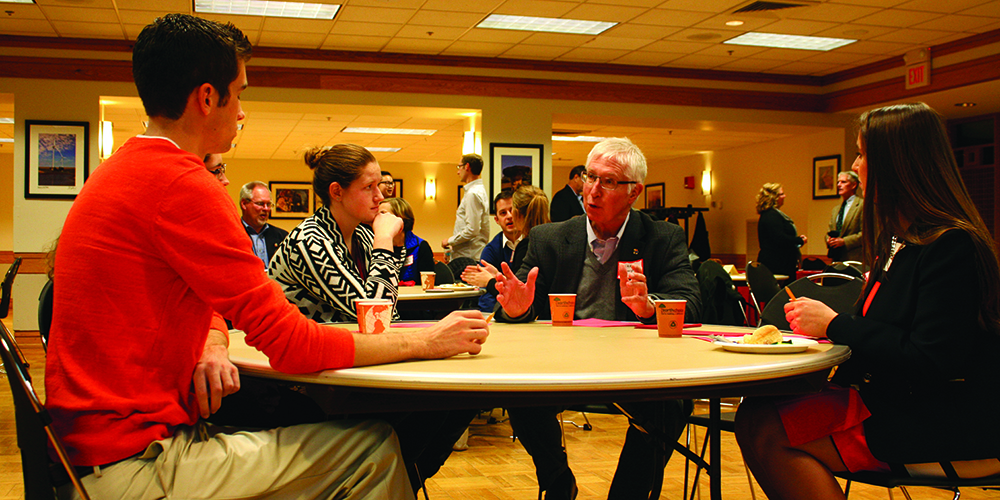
x,y
490,317
790,294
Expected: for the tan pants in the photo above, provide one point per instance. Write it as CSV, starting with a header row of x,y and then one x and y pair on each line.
x,y
341,459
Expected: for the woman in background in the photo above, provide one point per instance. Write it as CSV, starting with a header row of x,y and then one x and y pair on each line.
x,y
776,233
419,256
921,391
530,208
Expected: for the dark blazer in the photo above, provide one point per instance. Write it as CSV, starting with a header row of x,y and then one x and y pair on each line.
x,y
565,205
273,237
924,367
559,249
779,245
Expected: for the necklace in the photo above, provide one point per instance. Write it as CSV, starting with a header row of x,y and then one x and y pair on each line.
x,y
897,245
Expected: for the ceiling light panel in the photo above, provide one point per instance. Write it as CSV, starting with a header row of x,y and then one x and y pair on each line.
x,y
267,8
578,138
387,131
789,41
384,150
547,24
17,1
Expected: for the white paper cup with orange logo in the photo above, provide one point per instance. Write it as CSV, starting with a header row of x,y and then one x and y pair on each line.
x,y
427,279
562,305
669,317
374,315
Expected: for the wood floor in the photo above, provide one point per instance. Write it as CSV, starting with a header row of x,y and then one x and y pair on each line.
x,y
494,467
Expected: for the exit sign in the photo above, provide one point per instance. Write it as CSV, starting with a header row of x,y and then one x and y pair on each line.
x,y
918,75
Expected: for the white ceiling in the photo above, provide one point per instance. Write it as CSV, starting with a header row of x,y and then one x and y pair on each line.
x,y
670,33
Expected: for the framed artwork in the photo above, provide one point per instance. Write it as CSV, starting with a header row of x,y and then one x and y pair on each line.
x,y
825,170
398,191
512,165
56,159
292,200
654,195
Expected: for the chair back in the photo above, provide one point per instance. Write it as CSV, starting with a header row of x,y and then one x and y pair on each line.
x,y
45,313
721,303
33,428
458,265
841,297
844,268
442,274
5,287
762,284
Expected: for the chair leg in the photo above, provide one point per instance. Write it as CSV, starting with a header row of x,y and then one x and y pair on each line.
x,y
753,496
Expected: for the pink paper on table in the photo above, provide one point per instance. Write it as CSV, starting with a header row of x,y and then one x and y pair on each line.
x,y
603,322
653,326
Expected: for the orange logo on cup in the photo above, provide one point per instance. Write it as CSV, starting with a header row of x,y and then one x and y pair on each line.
x,y
562,306
374,315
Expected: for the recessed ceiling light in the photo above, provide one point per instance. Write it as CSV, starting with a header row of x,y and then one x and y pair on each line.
x,y
965,104
734,22
6,120
549,24
267,8
789,41
17,1
384,150
6,139
385,131
578,138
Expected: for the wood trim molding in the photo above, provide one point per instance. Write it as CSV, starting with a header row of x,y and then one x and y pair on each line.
x,y
66,69
31,262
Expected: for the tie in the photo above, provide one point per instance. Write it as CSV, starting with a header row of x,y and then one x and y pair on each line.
x,y
840,216
604,248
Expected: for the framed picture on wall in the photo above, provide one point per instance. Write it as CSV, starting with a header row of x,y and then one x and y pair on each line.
x,y
397,191
56,160
292,200
654,195
512,165
825,170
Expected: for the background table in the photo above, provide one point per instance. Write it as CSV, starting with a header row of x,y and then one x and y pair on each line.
x,y
414,299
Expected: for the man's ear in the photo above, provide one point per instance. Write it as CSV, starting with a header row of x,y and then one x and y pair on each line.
x,y
205,98
636,191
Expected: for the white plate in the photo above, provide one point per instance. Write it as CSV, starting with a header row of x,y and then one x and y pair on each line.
x,y
438,290
452,286
797,345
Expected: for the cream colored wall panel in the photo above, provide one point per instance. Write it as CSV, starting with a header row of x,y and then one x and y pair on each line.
x,y
7,197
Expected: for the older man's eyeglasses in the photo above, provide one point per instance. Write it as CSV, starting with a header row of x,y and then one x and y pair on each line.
x,y
608,183
218,171
262,205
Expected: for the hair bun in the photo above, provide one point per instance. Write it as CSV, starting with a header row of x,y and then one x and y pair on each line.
x,y
313,156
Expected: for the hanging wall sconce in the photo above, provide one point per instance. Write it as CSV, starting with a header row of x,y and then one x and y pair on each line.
x,y
430,189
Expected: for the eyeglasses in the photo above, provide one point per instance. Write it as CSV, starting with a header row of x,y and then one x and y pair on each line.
x,y
218,171
386,183
608,183
262,205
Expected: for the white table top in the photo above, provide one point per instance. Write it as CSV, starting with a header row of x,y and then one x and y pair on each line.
x,y
537,357
409,293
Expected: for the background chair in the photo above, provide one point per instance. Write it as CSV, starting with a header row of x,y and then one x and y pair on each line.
x,y
8,281
887,480
442,274
762,285
33,429
458,265
45,313
722,304
842,296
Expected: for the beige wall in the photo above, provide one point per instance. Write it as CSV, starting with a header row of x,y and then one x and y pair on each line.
x,y
7,197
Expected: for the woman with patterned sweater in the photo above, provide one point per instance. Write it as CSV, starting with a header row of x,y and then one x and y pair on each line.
x,y
344,252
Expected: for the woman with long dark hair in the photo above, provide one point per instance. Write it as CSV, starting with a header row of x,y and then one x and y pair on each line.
x,y
919,395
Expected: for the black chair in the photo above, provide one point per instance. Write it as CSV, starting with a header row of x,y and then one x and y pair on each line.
x,y
34,430
841,296
442,274
845,268
8,282
762,285
722,304
458,265
888,480
45,313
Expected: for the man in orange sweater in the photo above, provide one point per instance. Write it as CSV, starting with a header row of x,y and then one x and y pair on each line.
x,y
138,270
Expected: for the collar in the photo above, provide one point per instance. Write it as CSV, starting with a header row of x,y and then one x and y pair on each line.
x,y
592,237
250,229
171,141
509,243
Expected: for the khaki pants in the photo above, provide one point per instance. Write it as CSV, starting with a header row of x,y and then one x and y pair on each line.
x,y
341,459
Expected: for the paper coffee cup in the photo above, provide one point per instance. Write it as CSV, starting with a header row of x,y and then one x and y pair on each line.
x,y
562,305
669,317
427,279
374,315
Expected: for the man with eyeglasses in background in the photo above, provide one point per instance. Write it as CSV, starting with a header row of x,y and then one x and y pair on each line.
x,y
387,185
255,203
582,256
214,164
